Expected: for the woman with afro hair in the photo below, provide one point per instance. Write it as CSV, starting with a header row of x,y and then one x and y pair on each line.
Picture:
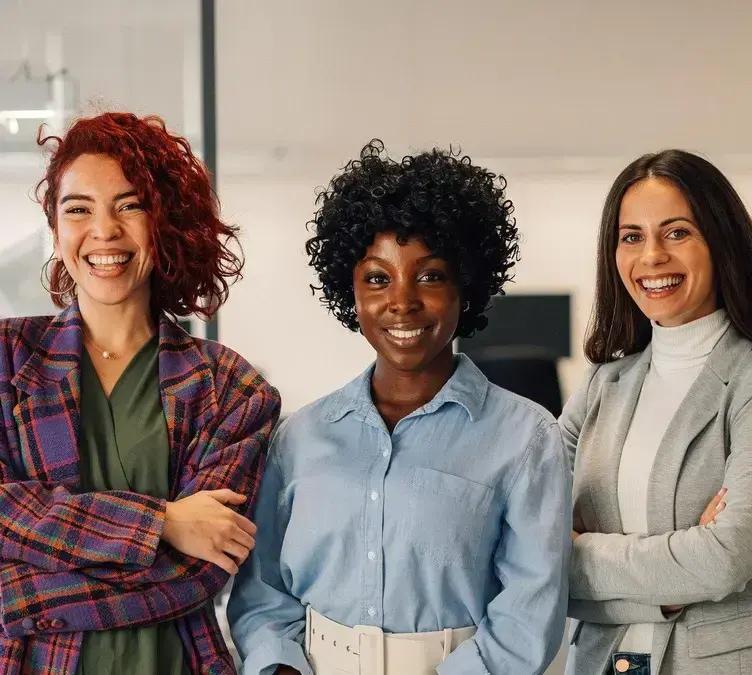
x,y
130,452
417,519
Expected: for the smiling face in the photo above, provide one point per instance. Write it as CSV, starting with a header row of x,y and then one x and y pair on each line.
x,y
102,233
662,257
407,303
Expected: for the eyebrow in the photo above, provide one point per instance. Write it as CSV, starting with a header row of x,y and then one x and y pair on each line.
x,y
375,258
87,198
664,223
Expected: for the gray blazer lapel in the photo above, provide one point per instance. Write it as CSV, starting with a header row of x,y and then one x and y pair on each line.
x,y
618,402
699,407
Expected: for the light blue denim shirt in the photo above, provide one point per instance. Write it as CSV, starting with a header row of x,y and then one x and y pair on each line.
x,y
461,516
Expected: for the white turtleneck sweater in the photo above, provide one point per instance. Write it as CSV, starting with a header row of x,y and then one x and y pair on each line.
x,y
678,357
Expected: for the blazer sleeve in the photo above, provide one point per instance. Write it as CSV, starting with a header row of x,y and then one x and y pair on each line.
x,y
681,567
110,596
573,416
617,612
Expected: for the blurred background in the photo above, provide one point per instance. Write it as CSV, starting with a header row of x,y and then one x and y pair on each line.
x,y
558,97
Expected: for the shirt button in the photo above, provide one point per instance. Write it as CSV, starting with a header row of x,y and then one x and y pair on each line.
x,y
371,611
374,496
385,453
371,555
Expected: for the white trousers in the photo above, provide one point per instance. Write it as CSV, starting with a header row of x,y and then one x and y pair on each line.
x,y
334,649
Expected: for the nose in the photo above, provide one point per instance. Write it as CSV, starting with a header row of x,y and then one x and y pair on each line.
x,y
404,297
654,252
105,226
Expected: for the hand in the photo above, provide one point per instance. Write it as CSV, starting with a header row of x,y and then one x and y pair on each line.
x,y
286,670
575,534
202,526
670,609
714,507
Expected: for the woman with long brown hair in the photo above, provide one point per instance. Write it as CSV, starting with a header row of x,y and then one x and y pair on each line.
x,y
660,433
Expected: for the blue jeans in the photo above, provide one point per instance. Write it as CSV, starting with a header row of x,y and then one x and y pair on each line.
x,y
631,663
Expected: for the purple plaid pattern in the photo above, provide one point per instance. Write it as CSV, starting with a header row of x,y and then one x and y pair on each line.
x,y
73,562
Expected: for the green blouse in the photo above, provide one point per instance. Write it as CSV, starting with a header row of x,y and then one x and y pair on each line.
x,y
124,446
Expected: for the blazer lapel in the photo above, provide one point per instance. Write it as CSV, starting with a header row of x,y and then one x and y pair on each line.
x,y
189,399
699,407
618,402
47,413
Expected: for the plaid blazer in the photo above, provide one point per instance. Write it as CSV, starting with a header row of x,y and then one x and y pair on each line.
x,y
73,562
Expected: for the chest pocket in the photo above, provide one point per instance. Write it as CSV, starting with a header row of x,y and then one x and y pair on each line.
x,y
447,517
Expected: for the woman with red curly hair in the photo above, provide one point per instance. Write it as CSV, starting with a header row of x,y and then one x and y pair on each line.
x,y
130,452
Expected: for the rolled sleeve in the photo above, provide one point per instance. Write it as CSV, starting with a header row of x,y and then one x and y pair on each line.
x,y
523,626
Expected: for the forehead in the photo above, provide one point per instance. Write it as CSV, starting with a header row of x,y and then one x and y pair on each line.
x,y
93,175
386,246
651,201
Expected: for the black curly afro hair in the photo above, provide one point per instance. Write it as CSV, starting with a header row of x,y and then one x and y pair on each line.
x,y
457,209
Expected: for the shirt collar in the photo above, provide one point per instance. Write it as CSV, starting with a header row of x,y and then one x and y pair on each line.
x,y
466,387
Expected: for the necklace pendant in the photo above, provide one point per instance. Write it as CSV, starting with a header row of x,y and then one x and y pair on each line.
x,y
108,355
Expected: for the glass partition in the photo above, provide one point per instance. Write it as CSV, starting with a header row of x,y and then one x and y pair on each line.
x,y
62,60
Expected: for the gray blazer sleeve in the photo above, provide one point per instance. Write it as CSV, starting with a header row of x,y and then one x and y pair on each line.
x,y
573,416
681,567
617,612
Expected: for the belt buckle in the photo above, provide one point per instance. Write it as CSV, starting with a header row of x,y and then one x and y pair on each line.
x,y
370,661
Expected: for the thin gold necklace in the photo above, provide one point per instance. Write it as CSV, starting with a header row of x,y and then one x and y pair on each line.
x,y
105,354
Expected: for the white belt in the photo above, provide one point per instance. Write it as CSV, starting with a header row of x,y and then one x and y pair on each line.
x,y
334,649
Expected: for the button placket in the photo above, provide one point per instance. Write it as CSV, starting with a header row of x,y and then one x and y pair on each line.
x,y
374,574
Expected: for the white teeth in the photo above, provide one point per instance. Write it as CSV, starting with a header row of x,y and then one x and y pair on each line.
x,y
662,283
405,333
108,259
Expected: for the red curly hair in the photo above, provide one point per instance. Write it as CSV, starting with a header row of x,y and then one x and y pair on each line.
x,y
193,264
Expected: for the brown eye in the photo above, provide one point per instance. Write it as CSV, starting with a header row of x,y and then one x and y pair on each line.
x,y
376,278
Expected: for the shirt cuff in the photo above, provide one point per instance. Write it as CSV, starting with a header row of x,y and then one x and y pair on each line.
x,y
465,660
264,659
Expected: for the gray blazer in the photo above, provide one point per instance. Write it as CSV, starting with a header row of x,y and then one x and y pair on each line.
x,y
618,579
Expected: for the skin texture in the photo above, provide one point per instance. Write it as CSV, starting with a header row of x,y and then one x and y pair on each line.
x,y
99,213
402,286
659,237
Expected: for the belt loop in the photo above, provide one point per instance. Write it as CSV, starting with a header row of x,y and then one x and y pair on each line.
x,y
447,643
371,658
308,630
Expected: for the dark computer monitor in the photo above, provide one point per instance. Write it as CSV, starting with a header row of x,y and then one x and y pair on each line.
x,y
518,349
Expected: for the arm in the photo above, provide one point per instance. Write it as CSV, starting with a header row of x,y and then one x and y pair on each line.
x,y
617,612
573,416
522,629
682,567
114,596
266,621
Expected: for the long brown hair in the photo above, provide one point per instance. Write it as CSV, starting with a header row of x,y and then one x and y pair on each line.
x,y
617,326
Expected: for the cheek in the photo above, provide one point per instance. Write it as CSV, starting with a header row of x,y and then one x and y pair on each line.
x,y
624,267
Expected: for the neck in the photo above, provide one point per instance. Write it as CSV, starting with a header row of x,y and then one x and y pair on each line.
x,y
411,388
120,328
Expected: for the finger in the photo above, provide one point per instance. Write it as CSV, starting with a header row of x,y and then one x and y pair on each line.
x,y
226,496
244,524
225,562
244,539
238,552
720,507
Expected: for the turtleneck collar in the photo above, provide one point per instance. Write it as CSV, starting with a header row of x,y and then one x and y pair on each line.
x,y
690,344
